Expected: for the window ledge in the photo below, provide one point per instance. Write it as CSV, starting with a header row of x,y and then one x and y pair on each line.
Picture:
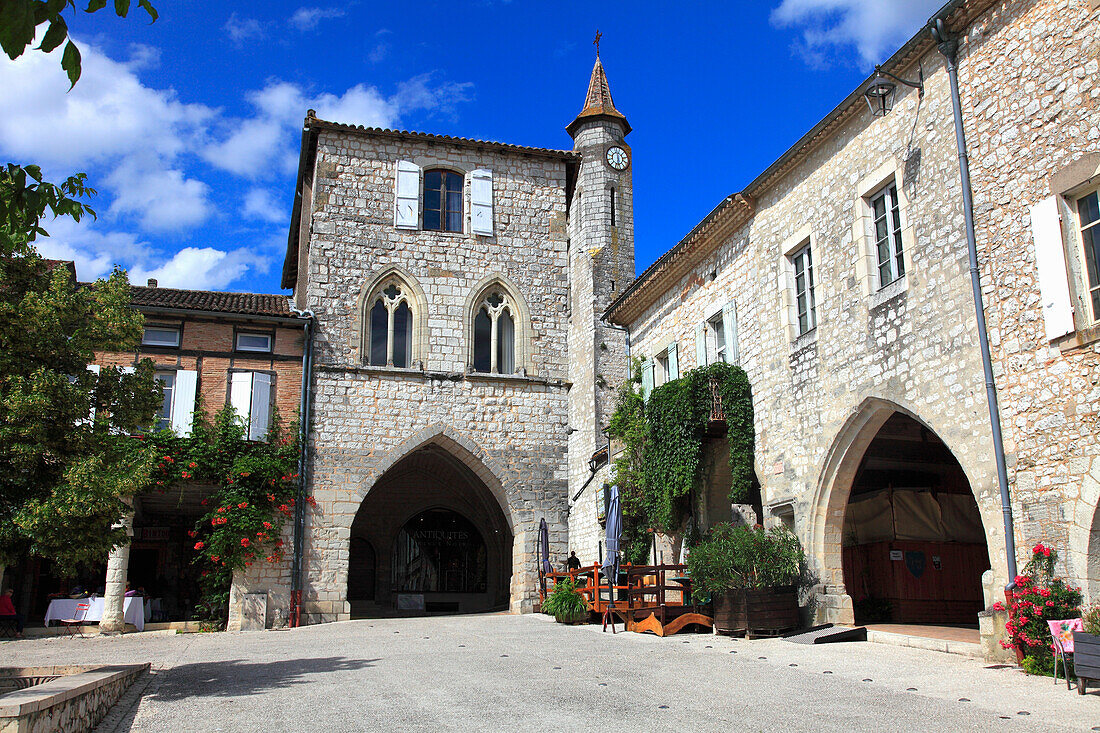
x,y
448,376
1079,340
889,292
807,339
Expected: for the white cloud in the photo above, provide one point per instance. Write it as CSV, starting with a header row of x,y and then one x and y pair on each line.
x,y
260,204
162,199
242,30
875,28
307,18
197,268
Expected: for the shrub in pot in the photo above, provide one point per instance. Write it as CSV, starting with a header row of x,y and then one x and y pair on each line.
x,y
565,604
751,576
1086,649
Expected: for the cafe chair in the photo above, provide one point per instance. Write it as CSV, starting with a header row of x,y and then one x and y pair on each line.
x,y
75,625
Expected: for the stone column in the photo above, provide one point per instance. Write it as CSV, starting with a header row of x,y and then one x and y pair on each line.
x,y
114,594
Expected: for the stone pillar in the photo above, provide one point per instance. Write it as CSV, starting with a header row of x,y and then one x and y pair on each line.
x,y
114,594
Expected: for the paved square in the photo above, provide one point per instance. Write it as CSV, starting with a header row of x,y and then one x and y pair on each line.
x,y
508,672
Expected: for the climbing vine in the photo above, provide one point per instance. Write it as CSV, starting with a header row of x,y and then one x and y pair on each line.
x,y
256,483
662,437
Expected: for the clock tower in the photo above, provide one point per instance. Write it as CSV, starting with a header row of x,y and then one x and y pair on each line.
x,y
601,262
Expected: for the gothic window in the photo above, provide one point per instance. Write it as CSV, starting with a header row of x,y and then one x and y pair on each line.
x,y
391,325
886,214
442,201
495,334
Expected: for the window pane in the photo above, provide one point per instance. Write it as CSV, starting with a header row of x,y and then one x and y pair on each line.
x,y
160,337
483,326
433,180
379,322
253,342
506,347
432,197
164,414
719,334
1089,208
454,221
453,182
402,336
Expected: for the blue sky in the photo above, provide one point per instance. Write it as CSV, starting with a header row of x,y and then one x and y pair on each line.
x,y
190,127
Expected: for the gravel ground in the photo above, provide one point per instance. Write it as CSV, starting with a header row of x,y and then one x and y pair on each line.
x,y
505,672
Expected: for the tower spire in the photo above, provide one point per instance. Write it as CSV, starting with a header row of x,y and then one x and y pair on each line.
x,y
598,103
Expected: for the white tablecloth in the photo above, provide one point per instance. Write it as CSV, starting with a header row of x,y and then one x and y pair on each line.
x,y
63,608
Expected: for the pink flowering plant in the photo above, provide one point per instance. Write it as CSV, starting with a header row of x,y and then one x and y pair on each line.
x,y
1039,596
256,481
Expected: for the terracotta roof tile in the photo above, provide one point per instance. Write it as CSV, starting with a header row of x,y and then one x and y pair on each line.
x,y
249,304
598,102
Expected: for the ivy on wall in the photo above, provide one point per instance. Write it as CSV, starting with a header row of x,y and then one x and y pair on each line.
x,y
661,462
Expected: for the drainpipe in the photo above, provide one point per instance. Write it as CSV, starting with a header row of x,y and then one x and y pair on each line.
x,y
303,467
949,47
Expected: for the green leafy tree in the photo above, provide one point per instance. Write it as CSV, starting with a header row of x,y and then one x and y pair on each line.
x,y
20,20
65,461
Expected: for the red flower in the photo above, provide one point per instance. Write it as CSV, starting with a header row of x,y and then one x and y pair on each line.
x,y
191,533
192,464
284,508
184,474
279,543
267,525
214,558
221,509
271,497
243,505
245,542
169,459
199,545
1022,580
203,502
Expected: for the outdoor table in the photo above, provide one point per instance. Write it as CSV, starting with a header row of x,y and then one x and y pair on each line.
x,y
686,583
63,608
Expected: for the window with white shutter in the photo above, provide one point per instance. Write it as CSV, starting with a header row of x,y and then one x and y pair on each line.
x,y
673,361
183,401
250,396
701,345
1050,261
648,382
732,354
407,204
481,202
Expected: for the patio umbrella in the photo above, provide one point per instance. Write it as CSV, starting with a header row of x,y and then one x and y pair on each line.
x,y
613,529
544,547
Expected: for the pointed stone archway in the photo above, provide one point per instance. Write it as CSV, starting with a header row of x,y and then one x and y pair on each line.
x,y
844,471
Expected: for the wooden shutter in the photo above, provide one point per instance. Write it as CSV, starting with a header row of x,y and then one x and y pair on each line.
x,y
647,378
240,396
673,361
729,330
407,200
261,406
701,345
1050,260
183,402
481,202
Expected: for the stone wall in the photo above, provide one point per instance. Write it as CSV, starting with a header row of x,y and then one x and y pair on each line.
x,y
508,429
75,702
1031,100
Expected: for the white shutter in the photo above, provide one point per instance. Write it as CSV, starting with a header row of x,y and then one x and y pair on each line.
x,y
183,402
1050,260
94,369
240,395
406,213
128,370
481,202
701,345
647,378
673,361
729,330
261,406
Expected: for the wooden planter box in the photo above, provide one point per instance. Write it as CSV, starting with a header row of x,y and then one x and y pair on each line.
x,y
1086,659
581,617
766,611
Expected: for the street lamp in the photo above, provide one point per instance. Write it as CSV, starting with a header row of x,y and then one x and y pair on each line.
x,y
880,92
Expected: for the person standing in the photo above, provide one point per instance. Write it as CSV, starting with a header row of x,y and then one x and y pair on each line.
x,y
7,611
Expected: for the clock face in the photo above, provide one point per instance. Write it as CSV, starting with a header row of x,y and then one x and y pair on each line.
x,y
617,158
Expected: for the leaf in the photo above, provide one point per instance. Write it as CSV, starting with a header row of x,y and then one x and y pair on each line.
x,y
94,5
122,7
148,6
57,33
70,62
16,26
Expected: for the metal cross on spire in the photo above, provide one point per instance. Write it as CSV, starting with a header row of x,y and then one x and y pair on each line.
x,y
597,42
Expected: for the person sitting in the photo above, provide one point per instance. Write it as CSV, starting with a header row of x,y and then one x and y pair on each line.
x,y
7,613
573,562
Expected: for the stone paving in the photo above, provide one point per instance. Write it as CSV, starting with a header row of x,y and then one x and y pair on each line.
x,y
508,672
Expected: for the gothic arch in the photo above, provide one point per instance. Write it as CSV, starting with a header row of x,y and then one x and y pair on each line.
x,y
834,486
524,333
417,301
466,451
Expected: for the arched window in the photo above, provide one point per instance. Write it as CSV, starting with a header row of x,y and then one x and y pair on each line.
x,y
442,201
391,327
495,335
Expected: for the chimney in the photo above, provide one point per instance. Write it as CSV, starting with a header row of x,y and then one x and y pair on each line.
x,y
152,283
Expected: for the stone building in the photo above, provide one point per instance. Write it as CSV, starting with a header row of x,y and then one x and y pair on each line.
x,y
457,287
839,280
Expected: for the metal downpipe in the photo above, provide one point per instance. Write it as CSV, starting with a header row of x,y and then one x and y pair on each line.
x,y
948,47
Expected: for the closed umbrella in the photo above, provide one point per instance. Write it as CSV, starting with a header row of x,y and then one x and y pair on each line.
x,y
544,547
613,529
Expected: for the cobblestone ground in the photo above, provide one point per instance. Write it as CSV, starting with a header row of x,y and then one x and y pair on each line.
x,y
526,673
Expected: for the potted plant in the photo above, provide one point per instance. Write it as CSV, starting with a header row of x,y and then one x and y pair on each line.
x,y
751,576
565,604
1086,649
